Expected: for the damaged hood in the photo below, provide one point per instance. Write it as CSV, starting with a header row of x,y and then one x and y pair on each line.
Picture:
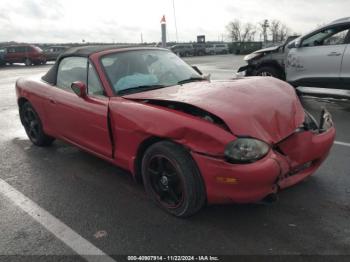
x,y
259,107
269,49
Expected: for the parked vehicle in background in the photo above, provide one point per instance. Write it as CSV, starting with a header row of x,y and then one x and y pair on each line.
x,y
221,48
183,49
209,49
2,56
53,52
322,57
199,49
268,61
243,48
214,49
318,59
27,54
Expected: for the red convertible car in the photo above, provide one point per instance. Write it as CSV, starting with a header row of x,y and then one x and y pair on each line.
x,y
191,141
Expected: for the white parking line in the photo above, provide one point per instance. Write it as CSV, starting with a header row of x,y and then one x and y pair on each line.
x,y
342,143
63,232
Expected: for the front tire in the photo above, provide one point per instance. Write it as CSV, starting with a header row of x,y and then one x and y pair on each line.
x,y
33,126
172,179
269,71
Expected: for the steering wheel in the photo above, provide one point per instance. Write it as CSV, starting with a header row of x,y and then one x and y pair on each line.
x,y
167,76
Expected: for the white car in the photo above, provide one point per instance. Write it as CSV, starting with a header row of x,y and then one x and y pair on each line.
x,y
213,49
321,58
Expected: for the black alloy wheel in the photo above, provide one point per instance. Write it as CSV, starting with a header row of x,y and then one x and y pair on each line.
x,y
33,126
171,178
165,181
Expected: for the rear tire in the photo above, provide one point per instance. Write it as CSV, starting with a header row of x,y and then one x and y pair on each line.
x,y
172,179
33,126
269,71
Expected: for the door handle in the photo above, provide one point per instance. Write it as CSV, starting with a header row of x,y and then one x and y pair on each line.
x,y
334,54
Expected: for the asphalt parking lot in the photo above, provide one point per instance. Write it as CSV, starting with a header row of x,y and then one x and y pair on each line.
x,y
101,203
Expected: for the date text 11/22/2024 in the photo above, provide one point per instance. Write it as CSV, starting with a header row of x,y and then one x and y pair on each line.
x,y
173,258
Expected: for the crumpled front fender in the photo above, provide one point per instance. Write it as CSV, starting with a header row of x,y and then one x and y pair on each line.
x,y
133,122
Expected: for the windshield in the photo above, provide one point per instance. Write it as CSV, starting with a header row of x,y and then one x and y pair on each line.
x,y
142,70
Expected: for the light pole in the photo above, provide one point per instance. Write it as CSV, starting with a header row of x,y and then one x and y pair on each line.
x,y
177,39
163,30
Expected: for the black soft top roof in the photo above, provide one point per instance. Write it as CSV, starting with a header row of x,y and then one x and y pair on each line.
x,y
82,51
86,51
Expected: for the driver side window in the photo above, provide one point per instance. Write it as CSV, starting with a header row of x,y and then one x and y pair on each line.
x,y
71,69
336,39
330,36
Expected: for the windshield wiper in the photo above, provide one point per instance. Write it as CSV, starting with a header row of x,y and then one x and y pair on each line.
x,y
137,89
191,79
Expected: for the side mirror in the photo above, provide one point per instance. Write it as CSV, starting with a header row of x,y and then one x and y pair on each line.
x,y
79,88
297,43
197,70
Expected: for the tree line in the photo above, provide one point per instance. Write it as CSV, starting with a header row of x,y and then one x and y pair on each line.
x,y
274,31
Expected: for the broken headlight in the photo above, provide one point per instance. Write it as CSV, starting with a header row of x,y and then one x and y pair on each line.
x,y
326,121
310,123
246,150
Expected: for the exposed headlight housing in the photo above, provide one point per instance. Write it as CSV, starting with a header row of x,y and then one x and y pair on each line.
x,y
246,150
326,121
310,122
252,56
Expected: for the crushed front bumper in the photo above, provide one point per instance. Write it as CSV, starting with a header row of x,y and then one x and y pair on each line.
x,y
288,163
247,70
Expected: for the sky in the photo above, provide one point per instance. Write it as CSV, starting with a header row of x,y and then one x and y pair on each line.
x,y
61,21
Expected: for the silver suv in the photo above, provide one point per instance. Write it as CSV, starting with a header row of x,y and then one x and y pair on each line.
x,y
321,58
318,59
